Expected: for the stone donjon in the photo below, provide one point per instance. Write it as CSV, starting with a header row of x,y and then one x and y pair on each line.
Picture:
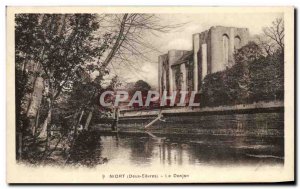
x,y
212,51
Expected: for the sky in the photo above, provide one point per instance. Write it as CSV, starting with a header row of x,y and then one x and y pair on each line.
x,y
181,38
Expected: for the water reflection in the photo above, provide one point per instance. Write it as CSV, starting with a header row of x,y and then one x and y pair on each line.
x,y
159,149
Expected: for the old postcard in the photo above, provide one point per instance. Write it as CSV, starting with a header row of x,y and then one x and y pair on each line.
x,y
150,94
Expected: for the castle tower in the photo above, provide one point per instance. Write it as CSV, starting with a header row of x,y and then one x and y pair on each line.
x,y
213,51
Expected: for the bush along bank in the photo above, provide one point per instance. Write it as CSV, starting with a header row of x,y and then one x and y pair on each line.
x,y
253,78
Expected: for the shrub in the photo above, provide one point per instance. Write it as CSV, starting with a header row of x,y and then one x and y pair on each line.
x,y
252,78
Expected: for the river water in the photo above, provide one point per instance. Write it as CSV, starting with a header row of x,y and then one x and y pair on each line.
x,y
148,149
213,140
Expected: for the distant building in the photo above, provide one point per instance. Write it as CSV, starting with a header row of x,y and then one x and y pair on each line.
x,y
212,51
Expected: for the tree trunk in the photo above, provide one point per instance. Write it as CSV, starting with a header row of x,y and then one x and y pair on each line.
x,y
76,123
35,102
82,112
116,45
36,124
43,133
88,120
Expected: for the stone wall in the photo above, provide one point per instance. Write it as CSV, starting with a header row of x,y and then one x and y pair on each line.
x,y
166,75
218,34
254,124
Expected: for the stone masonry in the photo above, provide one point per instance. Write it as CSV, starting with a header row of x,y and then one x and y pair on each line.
x,y
213,51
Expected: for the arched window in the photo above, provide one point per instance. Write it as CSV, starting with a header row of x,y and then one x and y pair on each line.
x,y
225,49
237,42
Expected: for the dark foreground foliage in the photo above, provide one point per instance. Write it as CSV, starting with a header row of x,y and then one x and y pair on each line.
x,y
86,150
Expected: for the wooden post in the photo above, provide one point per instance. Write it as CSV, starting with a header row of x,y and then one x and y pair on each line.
x,y
78,123
114,126
88,120
117,118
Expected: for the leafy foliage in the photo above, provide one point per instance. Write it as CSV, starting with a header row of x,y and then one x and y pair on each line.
x,y
248,53
64,51
142,86
21,90
253,78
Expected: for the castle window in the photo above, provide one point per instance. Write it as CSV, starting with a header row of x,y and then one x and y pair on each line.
x,y
225,49
178,78
237,42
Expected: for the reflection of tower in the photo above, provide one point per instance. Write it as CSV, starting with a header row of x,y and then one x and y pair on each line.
x,y
162,153
169,154
180,153
146,147
173,153
165,153
141,150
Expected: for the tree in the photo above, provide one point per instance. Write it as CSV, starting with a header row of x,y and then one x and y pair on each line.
x,y
267,78
253,78
266,44
67,50
272,38
59,46
129,42
142,86
248,53
26,71
243,57
58,54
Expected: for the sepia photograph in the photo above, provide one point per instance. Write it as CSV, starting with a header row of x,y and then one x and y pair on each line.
x,y
150,95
